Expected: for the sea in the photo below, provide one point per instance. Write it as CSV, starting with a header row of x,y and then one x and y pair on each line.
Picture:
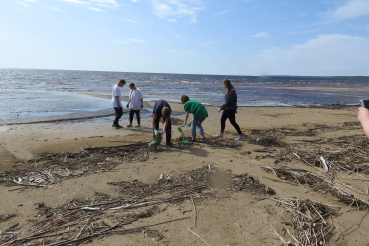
x,y
39,93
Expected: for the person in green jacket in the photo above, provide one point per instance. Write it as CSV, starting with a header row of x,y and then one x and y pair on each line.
x,y
199,115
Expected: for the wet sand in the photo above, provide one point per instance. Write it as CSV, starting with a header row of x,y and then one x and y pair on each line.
x,y
228,218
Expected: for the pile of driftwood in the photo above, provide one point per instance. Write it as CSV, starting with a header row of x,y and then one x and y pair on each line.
x,y
324,183
344,154
75,225
308,221
52,169
249,183
81,221
223,143
212,142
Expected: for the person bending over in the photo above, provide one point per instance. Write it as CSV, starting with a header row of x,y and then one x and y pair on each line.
x,y
229,108
162,109
135,104
199,115
363,117
116,101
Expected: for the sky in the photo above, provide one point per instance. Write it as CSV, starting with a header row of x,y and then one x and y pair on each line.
x,y
224,37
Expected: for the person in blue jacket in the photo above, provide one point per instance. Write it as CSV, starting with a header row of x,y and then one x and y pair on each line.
x,y
229,110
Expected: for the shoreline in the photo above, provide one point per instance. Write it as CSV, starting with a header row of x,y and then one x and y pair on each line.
x,y
148,104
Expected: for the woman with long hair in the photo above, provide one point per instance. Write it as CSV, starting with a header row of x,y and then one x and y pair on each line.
x,y
229,110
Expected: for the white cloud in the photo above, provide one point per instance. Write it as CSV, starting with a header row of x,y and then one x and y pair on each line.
x,y
24,4
302,32
136,40
172,20
187,53
31,1
96,9
177,9
135,1
193,20
261,35
94,3
55,9
74,1
210,43
332,54
359,27
104,1
222,13
352,9
133,21
176,36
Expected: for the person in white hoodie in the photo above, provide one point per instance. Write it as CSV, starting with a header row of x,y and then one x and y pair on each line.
x,y
135,104
116,101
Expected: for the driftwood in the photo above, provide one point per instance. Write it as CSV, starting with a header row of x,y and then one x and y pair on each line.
x,y
81,221
308,224
322,182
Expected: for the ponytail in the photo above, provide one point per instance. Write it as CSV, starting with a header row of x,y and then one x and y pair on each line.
x,y
228,85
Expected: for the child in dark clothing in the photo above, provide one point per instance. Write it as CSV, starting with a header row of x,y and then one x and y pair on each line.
x,y
162,109
229,110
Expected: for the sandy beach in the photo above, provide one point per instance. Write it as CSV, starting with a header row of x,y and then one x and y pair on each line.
x,y
231,210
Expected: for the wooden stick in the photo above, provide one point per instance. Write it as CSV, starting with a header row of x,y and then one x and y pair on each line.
x,y
195,219
198,236
281,238
298,182
275,180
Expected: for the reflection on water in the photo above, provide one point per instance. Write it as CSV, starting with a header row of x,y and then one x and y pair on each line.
x,y
30,91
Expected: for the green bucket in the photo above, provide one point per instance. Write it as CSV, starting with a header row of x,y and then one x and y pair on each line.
x,y
184,140
156,143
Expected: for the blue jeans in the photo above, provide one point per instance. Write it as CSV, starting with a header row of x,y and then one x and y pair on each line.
x,y
197,123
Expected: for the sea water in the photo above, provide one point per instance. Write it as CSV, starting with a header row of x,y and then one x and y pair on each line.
x,y
37,93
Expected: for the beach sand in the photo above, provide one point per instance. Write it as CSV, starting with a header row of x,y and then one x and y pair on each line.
x,y
222,216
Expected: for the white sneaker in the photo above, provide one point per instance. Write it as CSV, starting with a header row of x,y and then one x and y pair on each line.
x,y
239,138
219,136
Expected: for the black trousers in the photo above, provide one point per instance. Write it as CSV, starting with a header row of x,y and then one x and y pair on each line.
x,y
168,129
131,114
118,115
231,115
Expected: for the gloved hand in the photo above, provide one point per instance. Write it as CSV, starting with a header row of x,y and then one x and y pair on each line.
x,y
127,106
184,123
142,105
162,131
219,109
189,124
155,132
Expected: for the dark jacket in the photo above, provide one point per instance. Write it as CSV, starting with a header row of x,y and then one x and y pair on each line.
x,y
230,102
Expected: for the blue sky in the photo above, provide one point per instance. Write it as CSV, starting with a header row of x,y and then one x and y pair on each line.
x,y
229,37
